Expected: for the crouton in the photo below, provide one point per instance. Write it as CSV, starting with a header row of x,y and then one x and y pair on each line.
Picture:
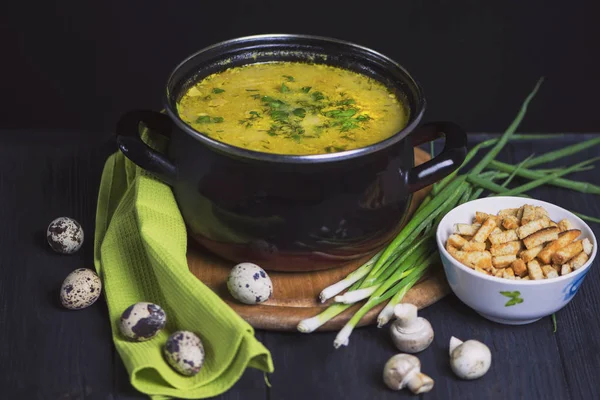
x,y
456,241
540,212
520,214
541,237
519,267
508,273
473,246
556,268
531,227
503,261
506,248
563,240
481,259
564,254
510,222
530,254
486,228
508,211
549,272
578,261
466,229
503,237
481,217
565,225
451,249
483,271
587,246
535,270
565,269
528,214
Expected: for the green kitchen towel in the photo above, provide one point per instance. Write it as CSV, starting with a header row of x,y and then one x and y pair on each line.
x,y
140,255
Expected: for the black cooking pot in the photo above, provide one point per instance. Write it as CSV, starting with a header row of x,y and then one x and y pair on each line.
x,y
291,212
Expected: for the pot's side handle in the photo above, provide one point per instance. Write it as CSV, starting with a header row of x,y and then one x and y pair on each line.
x,y
134,148
451,158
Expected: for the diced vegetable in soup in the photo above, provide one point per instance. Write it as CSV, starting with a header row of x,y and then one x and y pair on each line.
x,y
293,108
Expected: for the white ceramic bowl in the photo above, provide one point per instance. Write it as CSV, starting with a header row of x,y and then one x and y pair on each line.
x,y
484,293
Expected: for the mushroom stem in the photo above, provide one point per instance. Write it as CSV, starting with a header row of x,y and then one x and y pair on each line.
x,y
410,334
406,314
419,383
404,370
454,343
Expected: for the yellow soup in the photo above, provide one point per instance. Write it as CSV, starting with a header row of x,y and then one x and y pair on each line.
x,y
292,108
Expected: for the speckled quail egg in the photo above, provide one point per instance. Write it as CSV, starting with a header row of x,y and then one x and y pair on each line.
x,y
184,352
142,321
80,289
65,235
249,283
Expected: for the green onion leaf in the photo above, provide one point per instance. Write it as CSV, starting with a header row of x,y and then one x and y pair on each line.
x,y
203,119
217,90
217,120
300,112
284,88
306,89
317,96
279,115
338,114
289,78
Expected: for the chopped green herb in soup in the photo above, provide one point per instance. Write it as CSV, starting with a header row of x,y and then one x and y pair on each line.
x,y
292,108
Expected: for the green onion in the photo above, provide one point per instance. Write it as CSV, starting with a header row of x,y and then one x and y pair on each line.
x,y
349,280
476,194
564,152
586,217
380,295
583,187
488,143
528,186
406,261
420,220
550,170
516,170
386,314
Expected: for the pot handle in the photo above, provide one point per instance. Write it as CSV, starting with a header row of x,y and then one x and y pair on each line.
x,y
133,147
451,158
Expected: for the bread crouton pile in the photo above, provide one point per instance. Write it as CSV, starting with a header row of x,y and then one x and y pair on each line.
x,y
519,243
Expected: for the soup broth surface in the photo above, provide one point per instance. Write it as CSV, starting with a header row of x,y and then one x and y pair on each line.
x,y
292,108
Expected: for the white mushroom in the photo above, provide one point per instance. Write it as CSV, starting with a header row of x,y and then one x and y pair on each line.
x,y
404,370
470,359
410,334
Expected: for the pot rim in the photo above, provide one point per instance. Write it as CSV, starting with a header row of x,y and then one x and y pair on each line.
x,y
290,158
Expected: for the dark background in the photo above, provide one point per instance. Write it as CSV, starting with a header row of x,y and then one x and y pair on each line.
x,y
74,66
78,65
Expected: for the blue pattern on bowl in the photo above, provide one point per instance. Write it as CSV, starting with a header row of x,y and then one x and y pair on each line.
x,y
571,289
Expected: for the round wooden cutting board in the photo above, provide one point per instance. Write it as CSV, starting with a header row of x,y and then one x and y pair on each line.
x,y
295,294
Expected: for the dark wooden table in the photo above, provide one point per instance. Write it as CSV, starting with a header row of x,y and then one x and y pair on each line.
x,y
47,352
